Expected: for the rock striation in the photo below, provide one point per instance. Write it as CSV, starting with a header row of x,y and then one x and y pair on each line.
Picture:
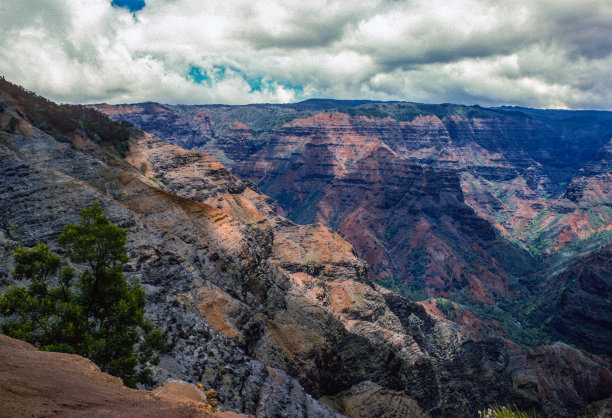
x,y
574,304
513,166
272,315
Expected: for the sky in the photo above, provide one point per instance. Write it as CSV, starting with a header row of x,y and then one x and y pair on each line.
x,y
536,53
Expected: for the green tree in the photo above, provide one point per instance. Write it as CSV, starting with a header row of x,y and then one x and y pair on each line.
x,y
48,316
100,317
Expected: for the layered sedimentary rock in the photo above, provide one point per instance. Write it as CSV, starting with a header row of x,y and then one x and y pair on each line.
x,y
592,185
409,222
188,131
270,314
575,304
370,400
512,166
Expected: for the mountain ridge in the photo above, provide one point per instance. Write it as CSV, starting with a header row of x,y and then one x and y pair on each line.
x,y
269,313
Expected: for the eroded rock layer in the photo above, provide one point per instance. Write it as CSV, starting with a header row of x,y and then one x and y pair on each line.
x,y
271,314
536,177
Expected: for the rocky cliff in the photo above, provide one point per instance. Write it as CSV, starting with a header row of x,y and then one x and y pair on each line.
x,y
463,202
278,318
574,303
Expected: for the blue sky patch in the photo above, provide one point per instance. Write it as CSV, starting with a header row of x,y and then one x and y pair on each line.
x,y
299,90
132,5
259,84
209,76
197,75
256,83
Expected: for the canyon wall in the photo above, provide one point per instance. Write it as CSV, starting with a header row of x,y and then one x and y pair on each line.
x,y
281,318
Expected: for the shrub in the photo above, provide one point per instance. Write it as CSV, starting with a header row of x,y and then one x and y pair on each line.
x,y
499,411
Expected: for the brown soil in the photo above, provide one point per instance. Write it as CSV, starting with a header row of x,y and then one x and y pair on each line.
x,y
36,383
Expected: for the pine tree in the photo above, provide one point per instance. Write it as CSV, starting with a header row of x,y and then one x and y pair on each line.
x,y
48,317
100,317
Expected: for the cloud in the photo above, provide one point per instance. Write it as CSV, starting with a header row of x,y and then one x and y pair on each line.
x,y
549,53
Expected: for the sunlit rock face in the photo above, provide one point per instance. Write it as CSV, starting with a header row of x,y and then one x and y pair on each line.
x,y
274,315
409,185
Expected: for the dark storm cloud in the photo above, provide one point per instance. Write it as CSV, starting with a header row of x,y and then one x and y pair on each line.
x,y
585,30
541,53
316,29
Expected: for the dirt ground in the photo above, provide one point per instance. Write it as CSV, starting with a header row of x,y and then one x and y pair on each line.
x,y
36,383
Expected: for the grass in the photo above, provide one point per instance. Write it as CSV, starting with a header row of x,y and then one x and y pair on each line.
x,y
499,411
313,257
447,308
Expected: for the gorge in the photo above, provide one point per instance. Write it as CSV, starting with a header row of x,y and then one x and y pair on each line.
x,y
330,258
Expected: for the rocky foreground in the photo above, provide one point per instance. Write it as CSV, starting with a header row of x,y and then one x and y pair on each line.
x,y
280,319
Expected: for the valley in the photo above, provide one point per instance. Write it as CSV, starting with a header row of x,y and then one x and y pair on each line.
x,y
471,204
301,258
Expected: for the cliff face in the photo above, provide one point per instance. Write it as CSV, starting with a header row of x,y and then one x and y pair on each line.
x,y
574,304
271,314
409,221
353,168
189,132
591,186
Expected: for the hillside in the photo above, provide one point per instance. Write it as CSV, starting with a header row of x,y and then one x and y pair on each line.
x,y
37,383
468,203
279,318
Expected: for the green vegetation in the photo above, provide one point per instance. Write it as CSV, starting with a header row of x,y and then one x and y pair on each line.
x,y
59,121
413,293
388,283
407,112
100,316
391,231
447,308
415,290
499,411
420,260
599,217
370,111
313,257
410,292
520,332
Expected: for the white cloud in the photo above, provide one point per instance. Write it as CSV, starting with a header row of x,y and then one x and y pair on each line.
x,y
545,53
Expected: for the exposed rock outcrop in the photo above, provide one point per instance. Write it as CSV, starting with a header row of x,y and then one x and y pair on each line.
x,y
270,314
575,304
367,400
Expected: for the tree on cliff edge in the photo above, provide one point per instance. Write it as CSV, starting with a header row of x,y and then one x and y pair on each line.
x,y
100,317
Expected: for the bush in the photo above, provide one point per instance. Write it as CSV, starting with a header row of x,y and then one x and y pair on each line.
x,y
499,411
447,308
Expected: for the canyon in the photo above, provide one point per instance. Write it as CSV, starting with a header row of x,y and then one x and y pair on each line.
x,y
264,297
466,203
